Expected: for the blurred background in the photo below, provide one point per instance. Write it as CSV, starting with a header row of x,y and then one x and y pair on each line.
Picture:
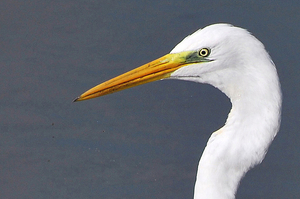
x,y
144,142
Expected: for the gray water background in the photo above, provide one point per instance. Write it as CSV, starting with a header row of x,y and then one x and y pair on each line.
x,y
144,142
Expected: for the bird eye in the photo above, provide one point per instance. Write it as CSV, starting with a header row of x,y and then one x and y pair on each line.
x,y
204,52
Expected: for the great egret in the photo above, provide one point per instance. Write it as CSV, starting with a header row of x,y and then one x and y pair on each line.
x,y
235,62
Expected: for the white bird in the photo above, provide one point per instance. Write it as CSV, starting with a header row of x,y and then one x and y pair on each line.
x,y
235,62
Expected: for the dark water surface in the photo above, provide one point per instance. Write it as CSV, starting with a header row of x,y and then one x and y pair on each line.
x,y
144,142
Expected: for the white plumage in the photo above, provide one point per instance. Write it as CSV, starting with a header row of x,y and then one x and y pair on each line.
x,y
235,62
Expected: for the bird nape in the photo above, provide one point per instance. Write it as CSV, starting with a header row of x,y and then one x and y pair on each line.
x,y
235,62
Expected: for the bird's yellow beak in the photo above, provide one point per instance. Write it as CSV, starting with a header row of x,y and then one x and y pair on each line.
x,y
158,69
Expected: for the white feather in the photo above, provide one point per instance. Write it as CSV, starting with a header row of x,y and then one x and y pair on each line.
x,y
243,70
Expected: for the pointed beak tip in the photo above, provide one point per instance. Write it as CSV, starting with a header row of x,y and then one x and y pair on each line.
x,y
76,99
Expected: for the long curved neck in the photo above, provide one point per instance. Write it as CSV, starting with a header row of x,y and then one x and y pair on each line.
x,y
241,143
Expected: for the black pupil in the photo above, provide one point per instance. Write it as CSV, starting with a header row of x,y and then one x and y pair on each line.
x,y
203,52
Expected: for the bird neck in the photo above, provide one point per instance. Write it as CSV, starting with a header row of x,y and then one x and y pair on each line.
x,y
241,143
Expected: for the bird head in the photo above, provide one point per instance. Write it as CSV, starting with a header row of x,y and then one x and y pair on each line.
x,y
215,55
